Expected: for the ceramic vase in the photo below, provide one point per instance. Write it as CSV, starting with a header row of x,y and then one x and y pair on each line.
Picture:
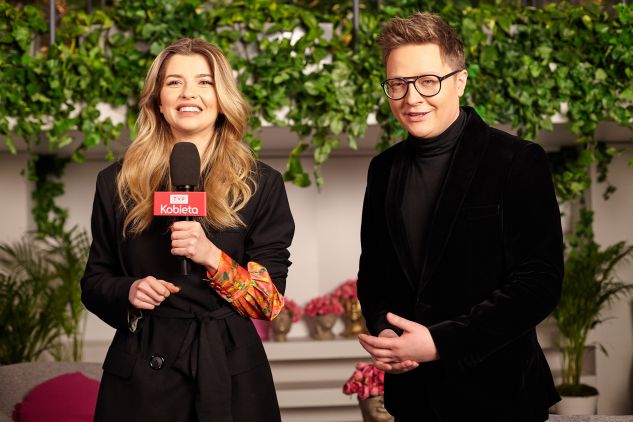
x,y
373,409
322,326
576,405
353,318
281,326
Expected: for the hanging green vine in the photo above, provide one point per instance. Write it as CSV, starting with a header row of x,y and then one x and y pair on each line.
x,y
50,218
301,67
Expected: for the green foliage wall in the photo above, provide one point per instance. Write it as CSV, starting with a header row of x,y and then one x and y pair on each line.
x,y
523,64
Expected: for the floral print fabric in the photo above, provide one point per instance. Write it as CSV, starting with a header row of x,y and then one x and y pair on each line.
x,y
249,290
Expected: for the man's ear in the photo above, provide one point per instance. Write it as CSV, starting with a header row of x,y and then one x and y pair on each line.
x,y
460,80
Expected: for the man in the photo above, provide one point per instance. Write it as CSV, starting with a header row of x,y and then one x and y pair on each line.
x,y
461,246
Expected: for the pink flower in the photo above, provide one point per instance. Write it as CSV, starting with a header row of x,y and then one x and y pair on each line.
x,y
366,381
323,305
293,309
346,290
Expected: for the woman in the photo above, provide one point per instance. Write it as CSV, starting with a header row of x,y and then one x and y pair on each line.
x,y
185,348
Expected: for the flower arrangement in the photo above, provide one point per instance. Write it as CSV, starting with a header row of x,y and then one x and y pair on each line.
x,y
346,290
324,305
366,381
295,311
347,294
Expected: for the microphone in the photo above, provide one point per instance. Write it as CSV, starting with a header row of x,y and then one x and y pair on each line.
x,y
184,167
184,203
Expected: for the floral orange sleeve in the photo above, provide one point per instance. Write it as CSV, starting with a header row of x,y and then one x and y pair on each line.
x,y
251,291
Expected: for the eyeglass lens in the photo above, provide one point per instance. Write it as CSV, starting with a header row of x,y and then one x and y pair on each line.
x,y
425,85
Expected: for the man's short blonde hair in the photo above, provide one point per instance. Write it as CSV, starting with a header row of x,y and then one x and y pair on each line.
x,y
423,28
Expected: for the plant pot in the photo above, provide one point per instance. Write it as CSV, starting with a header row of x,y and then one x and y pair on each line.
x,y
322,326
373,409
572,405
352,318
281,325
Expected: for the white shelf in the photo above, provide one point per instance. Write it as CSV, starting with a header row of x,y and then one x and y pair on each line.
x,y
309,377
301,349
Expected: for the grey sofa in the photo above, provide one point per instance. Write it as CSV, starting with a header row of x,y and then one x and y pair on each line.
x,y
594,418
18,379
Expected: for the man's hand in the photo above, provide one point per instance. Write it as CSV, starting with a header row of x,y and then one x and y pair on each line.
x,y
397,354
149,292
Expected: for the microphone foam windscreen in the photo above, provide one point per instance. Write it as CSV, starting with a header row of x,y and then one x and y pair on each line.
x,y
184,164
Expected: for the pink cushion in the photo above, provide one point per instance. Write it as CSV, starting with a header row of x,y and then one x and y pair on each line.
x,y
66,398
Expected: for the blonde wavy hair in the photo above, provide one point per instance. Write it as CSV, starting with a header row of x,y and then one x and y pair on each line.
x,y
226,165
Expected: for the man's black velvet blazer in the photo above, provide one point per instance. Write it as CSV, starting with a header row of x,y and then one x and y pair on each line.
x,y
493,270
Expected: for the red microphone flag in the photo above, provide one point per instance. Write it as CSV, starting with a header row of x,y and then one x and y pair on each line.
x,y
180,204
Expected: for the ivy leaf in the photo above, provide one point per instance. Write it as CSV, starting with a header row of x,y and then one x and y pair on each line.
x,y
281,77
91,139
544,51
38,97
63,141
155,48
319,53
336,126
600,75
340,73
311,87
351,142
294,172
79,156
586,20
8,140
22,36
310,20
488,57
298,149
627,94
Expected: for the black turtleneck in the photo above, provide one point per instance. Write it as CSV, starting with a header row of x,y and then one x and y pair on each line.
x,y
428,160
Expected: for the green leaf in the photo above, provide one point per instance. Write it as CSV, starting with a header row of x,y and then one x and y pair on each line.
x,y
336,126
311,87
22,36
280,78
600,75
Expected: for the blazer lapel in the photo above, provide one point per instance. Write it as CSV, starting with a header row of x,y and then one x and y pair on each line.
x,y
464,163
393,213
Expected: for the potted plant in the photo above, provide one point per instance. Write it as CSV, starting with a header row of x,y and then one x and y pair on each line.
x,y
589,285
40,297
368,383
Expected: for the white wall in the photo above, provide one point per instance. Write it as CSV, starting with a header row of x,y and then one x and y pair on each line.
x,y
613,223
16,192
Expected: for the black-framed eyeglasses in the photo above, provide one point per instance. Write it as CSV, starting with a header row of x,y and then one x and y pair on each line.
x,y
426,85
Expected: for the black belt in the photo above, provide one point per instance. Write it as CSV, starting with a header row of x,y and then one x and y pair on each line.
x,y
206,362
